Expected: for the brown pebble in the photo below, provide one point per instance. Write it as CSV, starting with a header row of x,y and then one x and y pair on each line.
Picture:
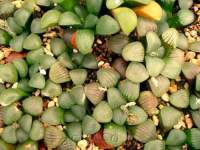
x,y
99,41
185,147
188,121
173,87
15,55
186,85
6,51
37,93
189,56
8,85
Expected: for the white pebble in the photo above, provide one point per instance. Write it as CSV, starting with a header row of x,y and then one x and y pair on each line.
x,y
100,63
1,55
99,41
155,120
193,33
42,71
14,86
1,81
165,97
83,144
75,50
51,104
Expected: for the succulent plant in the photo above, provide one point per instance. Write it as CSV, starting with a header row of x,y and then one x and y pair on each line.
x,y
107,77
110,4
176,137
169,117
159,85
94,74
53,116
74,131
190,70
183,14
33,105
180,98
78,76
58,73
9,96
119,116
183,17
65,60
9,135
67,144
133,52
53,137
90,21
154,65
145,25
37,81
102,112
170,37
65,100
72,19
123,13
32,145
94,92
155,144
17,42
136,115
22,16
182,42
37,131
193,137
50,18
90,125
107,25
136,72
32,42
11,114
57,46
94,6
120,66
7,8
8,73
35,26
144,132
148,102
114,134
134,2
152,11
114,97
14,27
1,117
196,117
78,111
129,89
153,43
25,122
83,37
21,66
89,61
117,42
21,135
78,95
185,4
194,102
32,56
